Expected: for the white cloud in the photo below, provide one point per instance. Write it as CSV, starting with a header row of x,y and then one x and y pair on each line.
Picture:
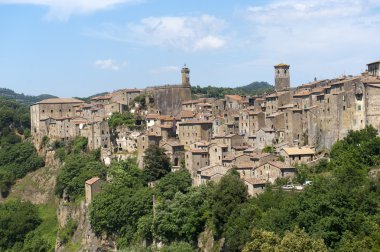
x,y
316,35
185,33
109,64
63,9
166,69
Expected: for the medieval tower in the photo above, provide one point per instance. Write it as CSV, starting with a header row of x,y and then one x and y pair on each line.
x,y
185,76
282,77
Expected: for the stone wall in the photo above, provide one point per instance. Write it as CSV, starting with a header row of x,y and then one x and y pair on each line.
x,y
168,99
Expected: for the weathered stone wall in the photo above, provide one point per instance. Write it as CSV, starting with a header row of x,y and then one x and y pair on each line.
x,y
168,99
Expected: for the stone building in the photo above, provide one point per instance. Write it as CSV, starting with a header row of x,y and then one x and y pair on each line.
x,y
168,99
282,77
92,187
294,155
47,112
192,131
271,171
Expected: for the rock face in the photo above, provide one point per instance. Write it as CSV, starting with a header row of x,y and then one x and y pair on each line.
x,y
37,187
83,236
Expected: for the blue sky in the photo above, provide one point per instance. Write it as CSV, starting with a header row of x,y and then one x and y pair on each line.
x,y
82,47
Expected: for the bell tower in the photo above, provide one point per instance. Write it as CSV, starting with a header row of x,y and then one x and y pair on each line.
x,y
185,76
282,77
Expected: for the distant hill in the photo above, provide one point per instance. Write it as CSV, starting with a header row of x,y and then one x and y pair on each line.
x,y
21,98
254,88
88,99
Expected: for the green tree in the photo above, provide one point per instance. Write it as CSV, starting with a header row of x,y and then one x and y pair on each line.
x,y
77,169
116,212
179,181
240,224
299,241
262,241
156,163
228,194
182,218
17,219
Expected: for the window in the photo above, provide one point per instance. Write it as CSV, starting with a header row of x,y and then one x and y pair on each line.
x,y
359,107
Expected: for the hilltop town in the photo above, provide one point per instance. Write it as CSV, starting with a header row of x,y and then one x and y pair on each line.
x,y
209,136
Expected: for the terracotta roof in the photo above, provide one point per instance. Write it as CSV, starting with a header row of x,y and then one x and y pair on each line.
x,y
240,147
92,180
280,165
299,151
204,104
60,100
255,181
302,93
244,165
152,116
187,114
166,118
234,97
196,122
345,80
190,102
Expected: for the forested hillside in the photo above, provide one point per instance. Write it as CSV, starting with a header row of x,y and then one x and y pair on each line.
x,y
218,92
338,212
21,98
23,226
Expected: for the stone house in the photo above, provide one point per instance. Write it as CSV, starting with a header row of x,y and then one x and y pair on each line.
x,y
92,187
271,171
210,173
264,137
217,152
254,186
294,155
194,131
175,151
196,159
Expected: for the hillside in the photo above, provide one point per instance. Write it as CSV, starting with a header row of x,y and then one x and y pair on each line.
x,y
22,98
218,92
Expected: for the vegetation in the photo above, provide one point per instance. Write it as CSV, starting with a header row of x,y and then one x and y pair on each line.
x,y
14,122
17,219
21,98
15,162
141,100
338,212
126,119
268,149
174,182
218,92
79,166
156,163
67,231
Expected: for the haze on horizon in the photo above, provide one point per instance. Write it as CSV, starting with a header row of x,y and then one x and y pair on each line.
x,y
79,48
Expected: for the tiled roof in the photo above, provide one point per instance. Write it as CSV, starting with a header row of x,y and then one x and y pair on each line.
x,y
60,100
299,151
255,181
92,180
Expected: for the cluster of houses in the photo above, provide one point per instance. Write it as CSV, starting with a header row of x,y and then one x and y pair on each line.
x,y
210,136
